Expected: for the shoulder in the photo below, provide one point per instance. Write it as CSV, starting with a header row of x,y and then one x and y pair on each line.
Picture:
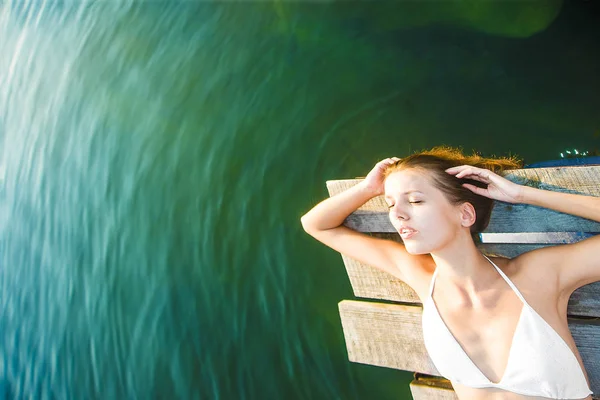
x,y
533,272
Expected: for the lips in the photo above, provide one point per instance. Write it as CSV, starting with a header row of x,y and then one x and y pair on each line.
x,y
407,233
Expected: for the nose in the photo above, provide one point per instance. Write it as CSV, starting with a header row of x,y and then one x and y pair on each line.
x,y
398,213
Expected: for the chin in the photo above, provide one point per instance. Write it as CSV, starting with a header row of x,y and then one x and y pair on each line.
x,y
415,249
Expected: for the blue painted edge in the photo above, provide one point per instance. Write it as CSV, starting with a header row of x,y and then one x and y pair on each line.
x,y
594,160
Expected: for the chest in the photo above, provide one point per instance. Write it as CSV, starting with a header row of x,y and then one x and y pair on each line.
x,y
485,327
485,335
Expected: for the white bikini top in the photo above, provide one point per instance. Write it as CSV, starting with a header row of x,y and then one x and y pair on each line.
x,y
540,363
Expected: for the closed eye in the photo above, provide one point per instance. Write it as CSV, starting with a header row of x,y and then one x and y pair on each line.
x,y
411,202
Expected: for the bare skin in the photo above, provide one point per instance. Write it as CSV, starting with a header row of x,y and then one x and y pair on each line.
x,y
495,312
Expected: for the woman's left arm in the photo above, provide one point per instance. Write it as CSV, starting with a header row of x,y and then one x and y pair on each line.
x,y
578,263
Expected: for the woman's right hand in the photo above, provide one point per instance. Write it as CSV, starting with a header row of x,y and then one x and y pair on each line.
x,y
374,179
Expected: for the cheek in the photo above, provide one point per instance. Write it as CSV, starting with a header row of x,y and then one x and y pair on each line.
x,y
394,221
435,226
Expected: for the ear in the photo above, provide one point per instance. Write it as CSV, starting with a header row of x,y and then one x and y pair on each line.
x,y
468,216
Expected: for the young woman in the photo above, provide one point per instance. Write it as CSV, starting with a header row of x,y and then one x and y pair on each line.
x,y
495,327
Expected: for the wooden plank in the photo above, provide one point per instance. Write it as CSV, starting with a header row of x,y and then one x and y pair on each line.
x,y
373,215
386,335
370,282
390,335
427,387
535,237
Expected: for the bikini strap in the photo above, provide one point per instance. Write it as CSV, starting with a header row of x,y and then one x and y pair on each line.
x,y
512,285
432,282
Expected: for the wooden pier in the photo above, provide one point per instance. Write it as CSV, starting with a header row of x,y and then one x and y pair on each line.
x,y
389,334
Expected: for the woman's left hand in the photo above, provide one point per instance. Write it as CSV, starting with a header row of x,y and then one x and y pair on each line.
x,y
499,188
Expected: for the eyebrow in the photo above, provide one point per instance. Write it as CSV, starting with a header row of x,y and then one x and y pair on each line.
x,y
408,192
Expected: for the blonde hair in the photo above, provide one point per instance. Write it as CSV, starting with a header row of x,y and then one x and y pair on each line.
x,y
435,161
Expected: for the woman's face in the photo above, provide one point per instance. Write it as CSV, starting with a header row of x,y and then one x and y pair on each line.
x,y
414,202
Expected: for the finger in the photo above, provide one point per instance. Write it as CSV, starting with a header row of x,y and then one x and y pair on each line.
x,y
465,171
475,173
475,189
454,170
475,177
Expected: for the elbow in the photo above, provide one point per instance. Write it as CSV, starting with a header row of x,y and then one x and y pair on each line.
x,y
306,225
311,227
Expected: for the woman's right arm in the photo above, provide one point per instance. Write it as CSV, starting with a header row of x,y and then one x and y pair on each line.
x,y
331,212
324,222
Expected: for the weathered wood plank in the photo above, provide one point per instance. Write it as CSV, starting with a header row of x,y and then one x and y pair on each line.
x,y
386,335
426,387
370,282
373,215
552,238
390,335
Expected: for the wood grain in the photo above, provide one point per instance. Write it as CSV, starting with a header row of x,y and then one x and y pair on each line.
x,y
390,335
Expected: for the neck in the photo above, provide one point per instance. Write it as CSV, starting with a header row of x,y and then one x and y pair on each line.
x,y
462,266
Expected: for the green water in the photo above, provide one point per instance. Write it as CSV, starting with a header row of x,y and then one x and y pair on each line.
x,y
156,158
